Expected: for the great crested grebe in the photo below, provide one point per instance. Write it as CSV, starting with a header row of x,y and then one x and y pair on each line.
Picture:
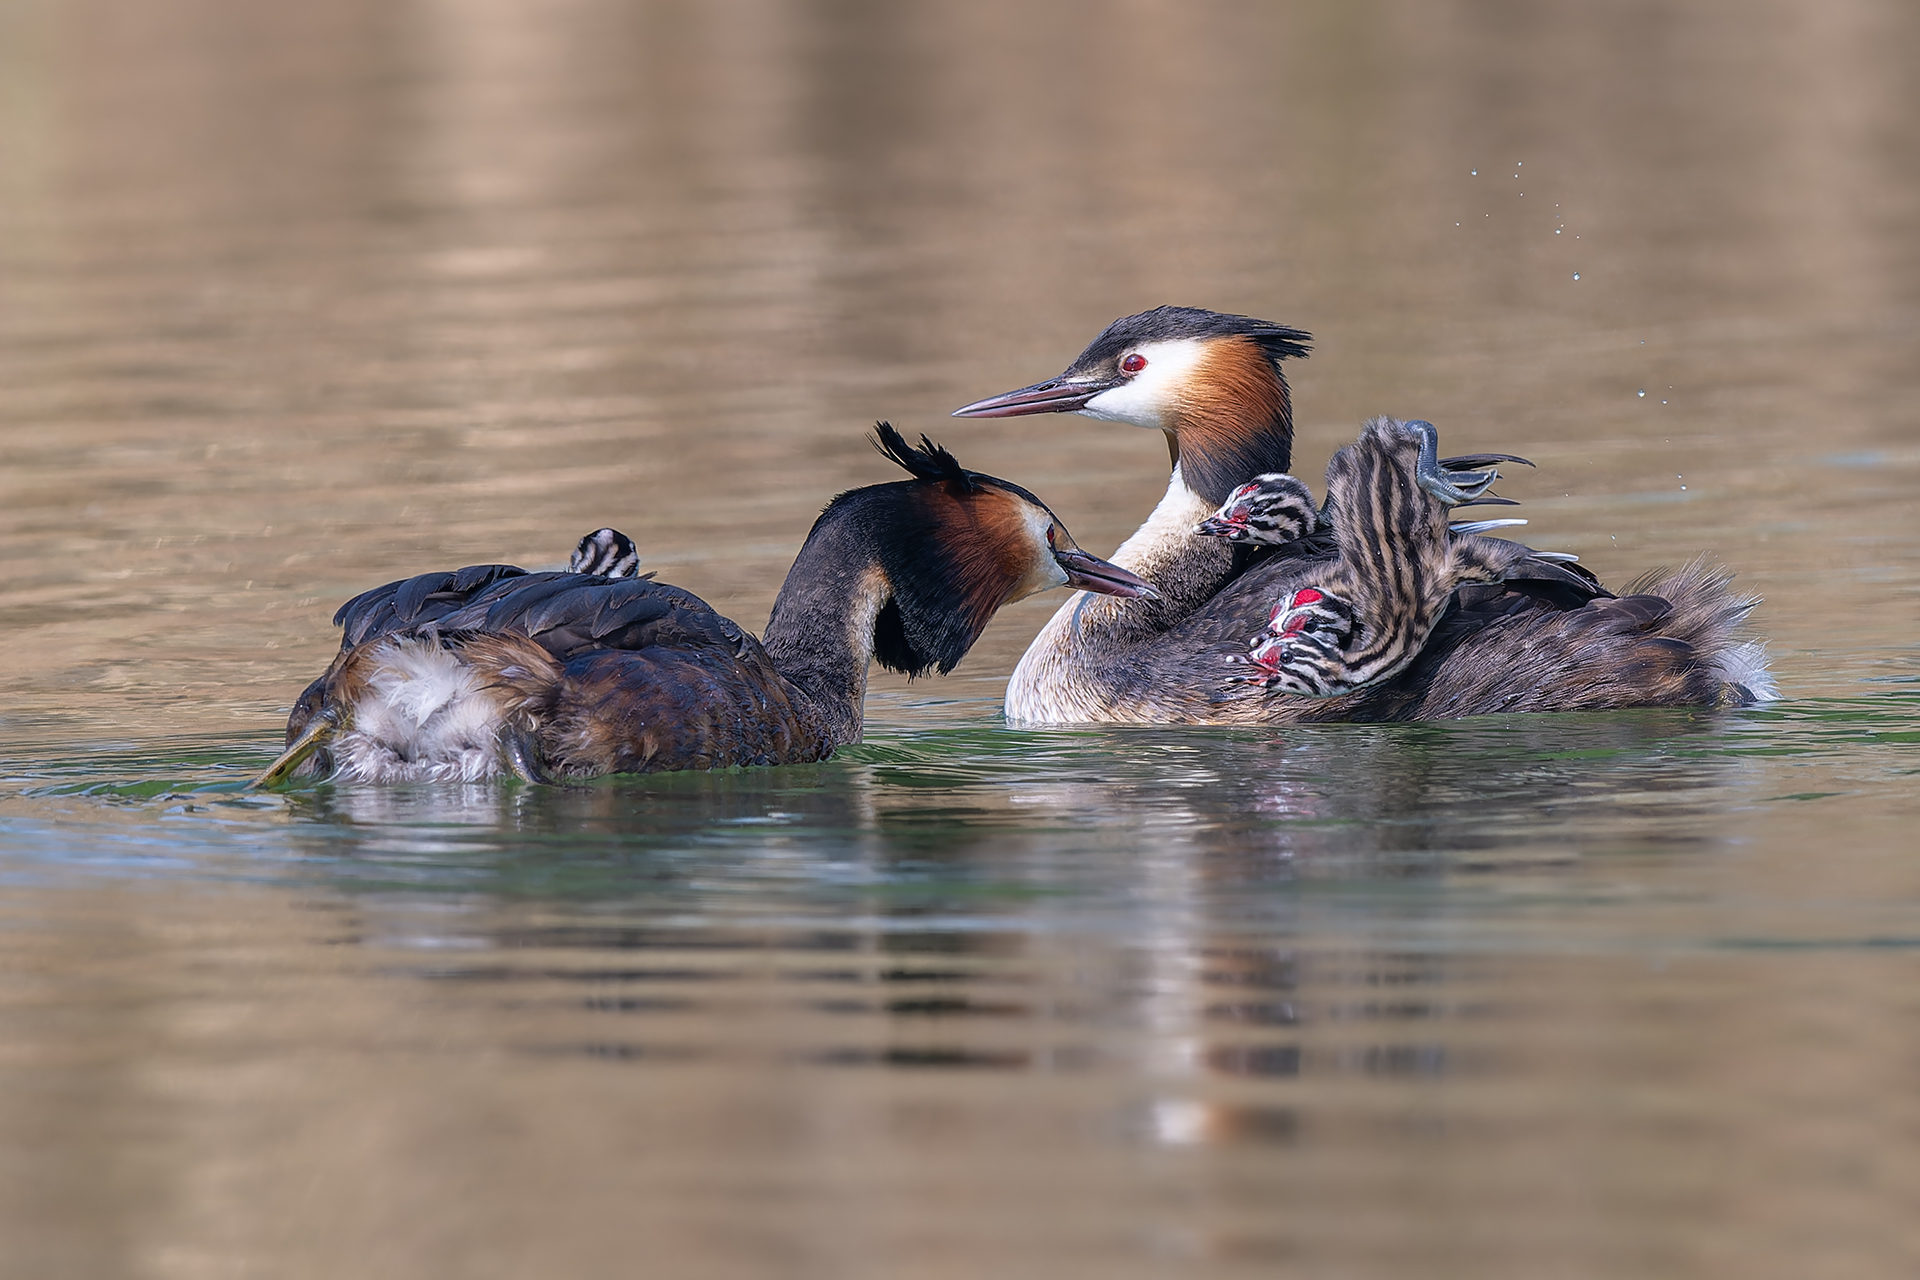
x,y
1545,639
490,670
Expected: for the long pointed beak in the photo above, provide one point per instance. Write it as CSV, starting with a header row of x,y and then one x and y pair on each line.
x,y
1055,395
1091,573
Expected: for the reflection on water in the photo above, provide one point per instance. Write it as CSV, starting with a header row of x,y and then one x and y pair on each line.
x,y
1051,1000
1229,803
295,299
1038,998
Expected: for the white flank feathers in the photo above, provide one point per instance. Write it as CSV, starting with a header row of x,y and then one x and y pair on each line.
x,y
424,717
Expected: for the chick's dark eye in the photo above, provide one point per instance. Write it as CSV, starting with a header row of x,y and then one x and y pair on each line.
x,y
1133,363
1051,544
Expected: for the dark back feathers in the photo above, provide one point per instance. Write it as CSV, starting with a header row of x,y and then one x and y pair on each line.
x,y
569,613
416,601
565,613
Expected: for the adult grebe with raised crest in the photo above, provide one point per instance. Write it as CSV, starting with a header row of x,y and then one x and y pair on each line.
x,y
491,670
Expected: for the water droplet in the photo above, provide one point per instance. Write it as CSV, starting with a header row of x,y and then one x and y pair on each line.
x,y
1556,231
1663,402
1474,172
1642,393
1576,275
1683,488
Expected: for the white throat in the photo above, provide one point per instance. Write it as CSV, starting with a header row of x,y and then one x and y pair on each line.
x,y
1061,678
1167,532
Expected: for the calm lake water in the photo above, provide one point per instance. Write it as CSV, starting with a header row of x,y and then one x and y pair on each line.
x,y
297,299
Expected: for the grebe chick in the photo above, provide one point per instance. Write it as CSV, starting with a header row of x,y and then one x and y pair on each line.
x,y
490,670
1362,616
1213,385
607,553
1275,509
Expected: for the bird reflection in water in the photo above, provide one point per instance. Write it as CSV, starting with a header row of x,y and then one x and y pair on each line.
x,y
924,905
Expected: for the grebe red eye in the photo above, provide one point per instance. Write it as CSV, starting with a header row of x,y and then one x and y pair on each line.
x,y
1133,363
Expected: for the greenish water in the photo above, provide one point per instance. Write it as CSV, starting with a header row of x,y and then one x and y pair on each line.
x,y
945,809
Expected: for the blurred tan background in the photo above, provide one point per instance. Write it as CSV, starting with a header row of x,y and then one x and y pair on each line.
x,y
295,299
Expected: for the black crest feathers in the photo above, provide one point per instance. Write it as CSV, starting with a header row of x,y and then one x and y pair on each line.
x,y
1278,341
929,462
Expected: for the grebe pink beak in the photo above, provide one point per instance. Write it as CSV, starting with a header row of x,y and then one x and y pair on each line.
x,y
1056,395
1091,573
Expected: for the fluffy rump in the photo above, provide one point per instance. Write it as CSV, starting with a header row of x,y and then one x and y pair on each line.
x,y
420,713
1710,616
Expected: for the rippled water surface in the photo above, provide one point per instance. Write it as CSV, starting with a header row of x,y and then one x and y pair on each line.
x,y
299,299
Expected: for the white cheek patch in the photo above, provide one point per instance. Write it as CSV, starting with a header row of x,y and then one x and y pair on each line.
x,y
1046,572
1151,397
1045,577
